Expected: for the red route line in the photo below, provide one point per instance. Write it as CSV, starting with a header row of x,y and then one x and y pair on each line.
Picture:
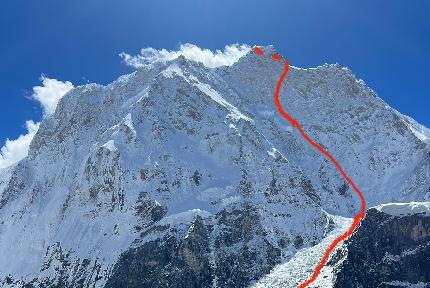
x,y
276,57
258,51
295,124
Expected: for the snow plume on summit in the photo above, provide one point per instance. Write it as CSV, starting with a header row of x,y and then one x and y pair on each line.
x,y
209,58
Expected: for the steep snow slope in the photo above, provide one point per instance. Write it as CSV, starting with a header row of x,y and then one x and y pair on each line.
x,y
5,174
373,142
192,169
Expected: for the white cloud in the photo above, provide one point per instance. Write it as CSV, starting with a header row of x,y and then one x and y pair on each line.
x,y
210,59
15,150
48,95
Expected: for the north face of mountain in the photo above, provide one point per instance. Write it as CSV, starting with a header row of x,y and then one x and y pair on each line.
x,y
181,175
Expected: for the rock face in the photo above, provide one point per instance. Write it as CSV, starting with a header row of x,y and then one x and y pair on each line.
x,y
179,175
182,262
389,249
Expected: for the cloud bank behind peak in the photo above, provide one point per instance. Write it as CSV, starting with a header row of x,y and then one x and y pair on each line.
x,y
48,95
209,58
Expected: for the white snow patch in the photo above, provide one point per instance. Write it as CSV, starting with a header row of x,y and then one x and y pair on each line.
x,y
272,152
403,209
207,89
419,134
420,131
110,145
232,126
184,217
136,99
129,123
235,114
171,70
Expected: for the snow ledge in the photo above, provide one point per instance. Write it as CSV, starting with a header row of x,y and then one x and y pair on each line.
x,y
404,209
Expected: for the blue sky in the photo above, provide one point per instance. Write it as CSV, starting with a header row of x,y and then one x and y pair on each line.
x,y
386,43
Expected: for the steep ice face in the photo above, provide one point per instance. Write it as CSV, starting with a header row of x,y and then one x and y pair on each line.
x,y
180,154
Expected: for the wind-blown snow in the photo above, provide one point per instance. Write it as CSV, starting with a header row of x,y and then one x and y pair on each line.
x,y
210,59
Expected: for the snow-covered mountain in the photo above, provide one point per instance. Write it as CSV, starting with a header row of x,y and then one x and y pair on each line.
x,y
180,175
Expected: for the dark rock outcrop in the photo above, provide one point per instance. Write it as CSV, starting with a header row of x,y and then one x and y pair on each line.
x,y
387,251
